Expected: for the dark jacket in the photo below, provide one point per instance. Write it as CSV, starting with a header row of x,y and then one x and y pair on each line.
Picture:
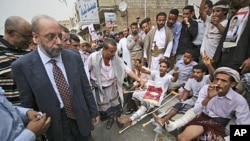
x,y
36,91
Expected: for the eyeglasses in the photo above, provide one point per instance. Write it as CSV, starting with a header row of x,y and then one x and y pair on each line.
x,y
65,39
23,35
51,36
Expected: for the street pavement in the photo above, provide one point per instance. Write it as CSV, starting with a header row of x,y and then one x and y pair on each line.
x,y
135,132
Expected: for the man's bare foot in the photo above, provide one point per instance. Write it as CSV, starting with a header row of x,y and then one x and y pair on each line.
x,y
125,120
159,120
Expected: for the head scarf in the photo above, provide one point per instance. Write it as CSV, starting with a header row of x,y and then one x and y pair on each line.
x,y
228,71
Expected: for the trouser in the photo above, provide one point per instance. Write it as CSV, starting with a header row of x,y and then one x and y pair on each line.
x,y
130,102
196,50
70,129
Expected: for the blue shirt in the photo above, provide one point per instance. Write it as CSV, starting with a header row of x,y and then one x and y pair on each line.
x,y
176,30
12,121
185,70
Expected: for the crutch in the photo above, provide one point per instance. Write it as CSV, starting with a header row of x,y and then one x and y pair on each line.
x,y
143,116
125,92
161,114
172,92
152,119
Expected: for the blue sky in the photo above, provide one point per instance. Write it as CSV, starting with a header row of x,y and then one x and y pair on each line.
x,y
30,8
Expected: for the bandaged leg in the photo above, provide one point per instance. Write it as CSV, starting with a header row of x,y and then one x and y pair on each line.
x,y
158,128
187,117
142,110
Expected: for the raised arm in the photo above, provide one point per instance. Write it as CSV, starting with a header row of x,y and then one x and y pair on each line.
x,y
207,62
203,13
175,74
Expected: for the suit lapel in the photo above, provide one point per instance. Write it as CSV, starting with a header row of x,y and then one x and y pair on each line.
x,y
69,68
40,74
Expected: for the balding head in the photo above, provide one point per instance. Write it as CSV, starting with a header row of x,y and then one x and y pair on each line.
x,y
17,31
40,20
15,22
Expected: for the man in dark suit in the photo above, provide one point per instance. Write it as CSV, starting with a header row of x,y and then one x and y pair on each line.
x,y
34,74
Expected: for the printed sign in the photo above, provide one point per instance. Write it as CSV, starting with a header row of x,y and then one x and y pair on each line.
x,y
110,19
88,11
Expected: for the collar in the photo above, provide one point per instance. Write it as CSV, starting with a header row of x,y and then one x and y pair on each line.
x,y
163,28
45,59
6,43
8,46
230,94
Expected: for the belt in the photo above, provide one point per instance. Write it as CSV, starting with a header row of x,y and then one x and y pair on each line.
x,y
197,46
104,87
136,50
227,50
155,53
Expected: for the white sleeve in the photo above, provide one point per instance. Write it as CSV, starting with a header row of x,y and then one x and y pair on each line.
x,y
126,68
227,138
188,85
169,49
145,53
198,107
119,47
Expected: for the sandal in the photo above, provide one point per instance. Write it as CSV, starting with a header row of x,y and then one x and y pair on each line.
x,y
110,123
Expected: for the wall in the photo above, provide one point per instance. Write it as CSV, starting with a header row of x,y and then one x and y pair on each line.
x,y
141,8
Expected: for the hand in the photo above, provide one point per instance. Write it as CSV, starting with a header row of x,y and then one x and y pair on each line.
x,y
95,120
162,59
176,70
205,59
245,66
32,115
39,126
186,21
212,90
172,55
144,87
142,83
215,20
136,38
218,138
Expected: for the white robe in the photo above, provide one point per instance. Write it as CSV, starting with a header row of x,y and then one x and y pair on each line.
x,y
122,47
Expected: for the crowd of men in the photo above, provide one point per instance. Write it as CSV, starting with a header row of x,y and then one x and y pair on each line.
x,y
56,86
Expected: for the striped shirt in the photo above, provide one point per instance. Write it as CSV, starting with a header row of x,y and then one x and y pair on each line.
x,y
8,54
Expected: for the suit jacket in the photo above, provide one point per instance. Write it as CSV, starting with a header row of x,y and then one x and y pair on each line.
x,y
149,39
36,91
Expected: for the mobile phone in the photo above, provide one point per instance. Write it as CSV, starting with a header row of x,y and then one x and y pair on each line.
x,y
40,115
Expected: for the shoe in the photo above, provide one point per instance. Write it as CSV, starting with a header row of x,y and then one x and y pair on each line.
x,y
109,123
130,111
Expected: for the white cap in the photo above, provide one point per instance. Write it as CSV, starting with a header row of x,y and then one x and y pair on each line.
x,y
81,39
